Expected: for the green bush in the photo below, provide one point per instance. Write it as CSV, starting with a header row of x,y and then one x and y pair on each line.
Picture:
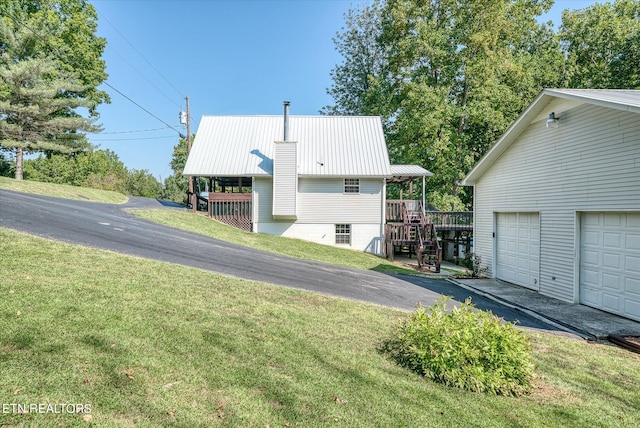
x,y
473,262
465,348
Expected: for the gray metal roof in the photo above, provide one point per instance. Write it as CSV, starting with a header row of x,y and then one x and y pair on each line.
x,y
619,99
406,173
330,146
409,171
623,99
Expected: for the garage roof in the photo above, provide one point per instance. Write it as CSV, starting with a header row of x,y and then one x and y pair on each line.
x,y
619,99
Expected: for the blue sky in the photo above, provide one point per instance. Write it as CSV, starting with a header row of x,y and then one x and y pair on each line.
x,y
229,56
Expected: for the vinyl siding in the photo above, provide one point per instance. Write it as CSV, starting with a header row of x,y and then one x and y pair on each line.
x,y
285,179
322,203
591,162
324,200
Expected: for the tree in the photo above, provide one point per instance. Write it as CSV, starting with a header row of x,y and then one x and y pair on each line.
x,y
98,169
37,114
355,80
142,183
64,30
50,66
447,76
176,185
602,44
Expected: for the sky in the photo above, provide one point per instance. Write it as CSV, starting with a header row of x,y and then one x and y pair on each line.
x,y
230,57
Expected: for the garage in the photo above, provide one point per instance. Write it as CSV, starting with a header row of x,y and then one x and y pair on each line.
x,y
610,262
518,248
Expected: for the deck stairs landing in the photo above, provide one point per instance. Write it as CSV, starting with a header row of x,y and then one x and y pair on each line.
x,y
407,229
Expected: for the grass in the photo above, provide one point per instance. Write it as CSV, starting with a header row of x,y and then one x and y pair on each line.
x,y
154,344
203,225
274,244
62,191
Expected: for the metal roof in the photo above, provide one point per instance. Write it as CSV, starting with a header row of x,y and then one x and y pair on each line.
x,y
330,146
409,171
619,99
404,173
622,99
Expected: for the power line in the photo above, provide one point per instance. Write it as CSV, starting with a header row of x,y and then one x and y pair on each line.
x,y
135,69
142,108
131,139
139,53
144,77
16,20
133,131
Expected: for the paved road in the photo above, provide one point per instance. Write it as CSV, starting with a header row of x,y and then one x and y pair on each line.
x,y
112,227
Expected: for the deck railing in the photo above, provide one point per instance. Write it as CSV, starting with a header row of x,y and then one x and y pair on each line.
x,y
450,220
406,211
394,210
233,209
409,211
414,236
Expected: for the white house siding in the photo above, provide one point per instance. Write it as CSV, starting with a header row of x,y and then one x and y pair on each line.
x,y
285,179
322,204
591,162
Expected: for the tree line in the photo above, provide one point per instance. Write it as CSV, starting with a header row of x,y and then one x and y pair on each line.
x,y
449,76
446,76
50,69
102,169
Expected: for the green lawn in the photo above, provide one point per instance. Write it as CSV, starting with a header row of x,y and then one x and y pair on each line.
x,y
62,191
275,244
152,344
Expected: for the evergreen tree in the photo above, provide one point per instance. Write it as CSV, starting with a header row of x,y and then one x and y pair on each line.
x,y
50,66
36,113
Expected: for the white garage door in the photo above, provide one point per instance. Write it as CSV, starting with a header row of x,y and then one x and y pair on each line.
x,y
610,262
518,248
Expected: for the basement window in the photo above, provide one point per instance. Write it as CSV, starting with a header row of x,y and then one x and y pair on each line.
x,y
351,185
343,234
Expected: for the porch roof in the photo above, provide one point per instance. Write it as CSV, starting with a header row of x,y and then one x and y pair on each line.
x,y
405,173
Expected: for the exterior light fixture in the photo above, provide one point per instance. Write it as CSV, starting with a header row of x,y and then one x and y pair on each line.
x,y
552,121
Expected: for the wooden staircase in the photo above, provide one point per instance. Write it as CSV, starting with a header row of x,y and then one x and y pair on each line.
x,y
408,228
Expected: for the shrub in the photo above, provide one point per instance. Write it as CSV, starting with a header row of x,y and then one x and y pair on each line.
x,y
465,348
473,262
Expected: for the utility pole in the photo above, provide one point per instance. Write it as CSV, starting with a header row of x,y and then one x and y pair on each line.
x,y
192,195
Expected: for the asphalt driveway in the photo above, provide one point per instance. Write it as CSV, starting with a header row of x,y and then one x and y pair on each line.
x,y
112,227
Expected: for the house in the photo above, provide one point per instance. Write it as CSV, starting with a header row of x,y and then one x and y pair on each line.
x,y
317,178
557,199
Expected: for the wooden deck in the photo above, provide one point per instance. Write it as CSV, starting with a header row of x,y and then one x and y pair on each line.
x,y
451,220
408,229
407,211
233,209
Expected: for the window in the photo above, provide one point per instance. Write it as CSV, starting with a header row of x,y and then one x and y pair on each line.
x,y
343,234
351,185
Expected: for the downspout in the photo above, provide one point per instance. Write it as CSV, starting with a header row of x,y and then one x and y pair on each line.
x,y
424,201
